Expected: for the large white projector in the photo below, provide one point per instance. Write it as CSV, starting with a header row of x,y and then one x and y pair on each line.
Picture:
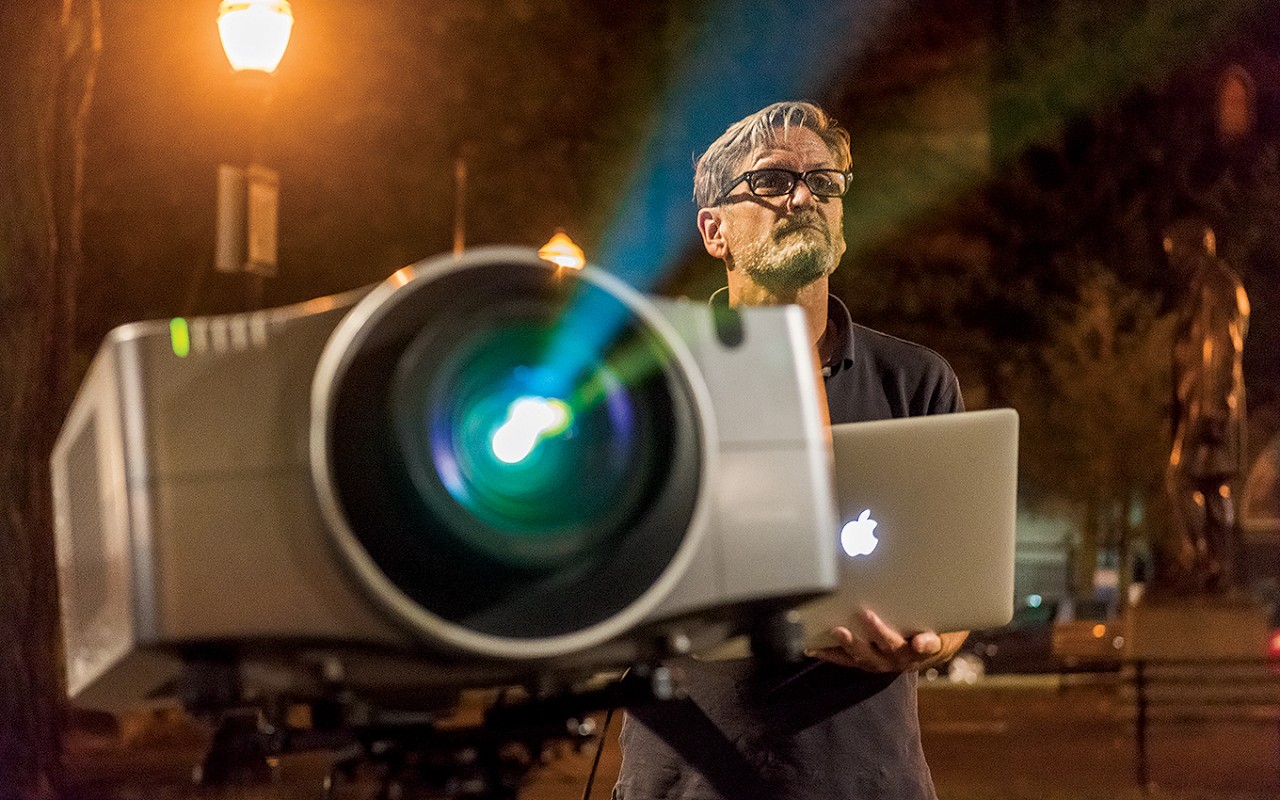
x,y
483,470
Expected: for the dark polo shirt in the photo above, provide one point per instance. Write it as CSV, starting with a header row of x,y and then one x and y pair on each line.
x,y
814,731
878,376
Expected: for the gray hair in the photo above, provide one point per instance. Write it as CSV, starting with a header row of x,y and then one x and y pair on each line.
x,y
766,128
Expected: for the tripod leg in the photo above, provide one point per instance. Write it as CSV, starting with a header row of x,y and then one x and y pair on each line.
x,y
238,755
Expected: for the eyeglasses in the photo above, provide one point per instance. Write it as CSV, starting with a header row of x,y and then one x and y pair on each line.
x,y
776,182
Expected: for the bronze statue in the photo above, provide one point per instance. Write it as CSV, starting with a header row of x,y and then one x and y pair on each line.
x,y
1208,415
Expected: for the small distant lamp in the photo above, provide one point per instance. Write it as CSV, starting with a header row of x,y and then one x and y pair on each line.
x,y
1237,101
255,33
561,251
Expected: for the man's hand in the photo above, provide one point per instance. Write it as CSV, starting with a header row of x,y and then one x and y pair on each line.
x,y
876,647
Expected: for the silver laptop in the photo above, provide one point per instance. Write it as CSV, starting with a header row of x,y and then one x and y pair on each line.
x,y
927,518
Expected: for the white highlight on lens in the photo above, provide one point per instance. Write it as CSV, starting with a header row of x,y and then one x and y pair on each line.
x,y
529,421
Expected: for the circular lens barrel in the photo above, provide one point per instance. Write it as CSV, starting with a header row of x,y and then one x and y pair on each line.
x,y
515,453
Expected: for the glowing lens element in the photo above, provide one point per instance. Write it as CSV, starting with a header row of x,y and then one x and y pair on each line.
x,y
529,421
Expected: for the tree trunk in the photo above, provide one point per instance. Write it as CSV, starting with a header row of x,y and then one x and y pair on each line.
x,y
48,51
1086,553
1124,556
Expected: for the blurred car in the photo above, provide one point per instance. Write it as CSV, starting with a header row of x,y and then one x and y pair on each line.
x,y
1025,645
1037,641
1273,642
1088,644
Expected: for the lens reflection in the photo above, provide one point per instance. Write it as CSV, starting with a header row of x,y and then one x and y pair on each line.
x,y
529,480
529,421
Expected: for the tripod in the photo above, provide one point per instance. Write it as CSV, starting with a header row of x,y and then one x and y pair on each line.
x,y
417,755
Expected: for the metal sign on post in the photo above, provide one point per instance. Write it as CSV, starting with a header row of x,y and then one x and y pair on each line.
x,y
248,219
263,186
230,252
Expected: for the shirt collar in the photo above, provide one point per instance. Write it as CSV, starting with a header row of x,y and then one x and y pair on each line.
x,y
839,325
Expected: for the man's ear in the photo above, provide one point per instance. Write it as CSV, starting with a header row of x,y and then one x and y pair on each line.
x,y
711,226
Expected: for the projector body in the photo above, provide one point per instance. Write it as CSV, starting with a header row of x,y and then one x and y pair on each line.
x,y
197,511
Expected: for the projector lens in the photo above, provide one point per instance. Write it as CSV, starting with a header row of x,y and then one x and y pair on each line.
x,y
506,468
529,480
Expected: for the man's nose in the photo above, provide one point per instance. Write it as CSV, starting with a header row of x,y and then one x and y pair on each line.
x,y
801,196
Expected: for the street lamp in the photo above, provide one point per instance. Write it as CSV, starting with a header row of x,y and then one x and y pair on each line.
x,y
255,33
561,251
254,36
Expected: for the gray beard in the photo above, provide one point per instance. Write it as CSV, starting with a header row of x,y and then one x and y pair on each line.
x,y
790,261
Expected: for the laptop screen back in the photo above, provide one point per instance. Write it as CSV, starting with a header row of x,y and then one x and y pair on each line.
x,y
927,522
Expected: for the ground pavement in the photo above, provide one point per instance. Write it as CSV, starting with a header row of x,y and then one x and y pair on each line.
x,y
1005,739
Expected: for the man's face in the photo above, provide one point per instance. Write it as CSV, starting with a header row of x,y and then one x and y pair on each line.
x,y
784,243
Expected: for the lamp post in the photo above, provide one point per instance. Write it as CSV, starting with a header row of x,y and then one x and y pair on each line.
x,y
254,36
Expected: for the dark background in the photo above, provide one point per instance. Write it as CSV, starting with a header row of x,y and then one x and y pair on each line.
x,y
1015,163
1015,166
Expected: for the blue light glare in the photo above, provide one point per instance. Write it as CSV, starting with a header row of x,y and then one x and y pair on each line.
x,y
747,54
1034,600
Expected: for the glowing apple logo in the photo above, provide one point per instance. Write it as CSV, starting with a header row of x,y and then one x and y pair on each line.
x,y
858,537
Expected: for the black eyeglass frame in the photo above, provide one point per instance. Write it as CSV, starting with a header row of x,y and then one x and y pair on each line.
x,y
796,177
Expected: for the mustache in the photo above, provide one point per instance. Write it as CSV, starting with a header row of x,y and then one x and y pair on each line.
x,y
795,222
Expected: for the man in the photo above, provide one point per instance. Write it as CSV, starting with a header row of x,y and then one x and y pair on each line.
x,y
843,725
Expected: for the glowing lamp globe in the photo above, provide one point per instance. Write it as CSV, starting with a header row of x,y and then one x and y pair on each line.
x,y
561,251
255,33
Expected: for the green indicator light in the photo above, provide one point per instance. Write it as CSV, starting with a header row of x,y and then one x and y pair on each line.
x,y
179,337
